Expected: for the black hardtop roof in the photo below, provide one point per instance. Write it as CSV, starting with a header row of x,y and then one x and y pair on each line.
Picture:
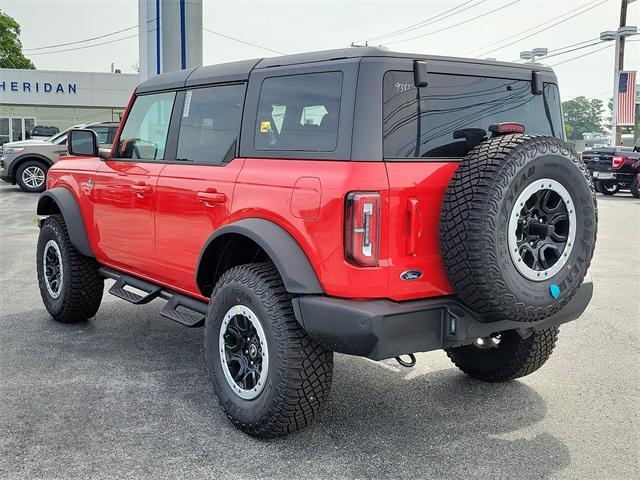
x,y
240,71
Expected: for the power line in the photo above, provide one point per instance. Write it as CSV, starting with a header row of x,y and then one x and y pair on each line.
x,y
428,21
589,6
545,57
83,41
525,31
85,46
243,41
609,45
457,24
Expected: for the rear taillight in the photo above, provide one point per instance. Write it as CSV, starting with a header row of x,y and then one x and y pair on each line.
x,y
617,161
362,228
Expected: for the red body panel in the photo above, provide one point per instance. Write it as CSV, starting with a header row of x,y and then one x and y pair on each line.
x,y
192,202
153,219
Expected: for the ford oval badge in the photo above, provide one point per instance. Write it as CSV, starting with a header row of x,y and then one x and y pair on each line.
x,y
409,275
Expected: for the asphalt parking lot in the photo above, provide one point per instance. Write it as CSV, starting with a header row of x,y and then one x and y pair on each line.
x,y
126,395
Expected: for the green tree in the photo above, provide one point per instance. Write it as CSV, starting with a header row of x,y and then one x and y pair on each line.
x,y
582,115
10,46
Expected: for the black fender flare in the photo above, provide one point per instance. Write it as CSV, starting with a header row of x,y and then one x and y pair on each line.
x,y
23,158
292,263
68,206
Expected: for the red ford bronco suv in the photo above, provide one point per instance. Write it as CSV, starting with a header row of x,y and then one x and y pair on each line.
x,y
355,201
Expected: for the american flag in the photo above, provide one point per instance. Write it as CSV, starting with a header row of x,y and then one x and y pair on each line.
x,y
626,98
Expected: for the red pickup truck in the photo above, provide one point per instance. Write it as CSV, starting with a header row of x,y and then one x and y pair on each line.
x,y
357,201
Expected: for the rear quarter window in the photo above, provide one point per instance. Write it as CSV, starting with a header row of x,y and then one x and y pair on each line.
x,y
450,116
299,113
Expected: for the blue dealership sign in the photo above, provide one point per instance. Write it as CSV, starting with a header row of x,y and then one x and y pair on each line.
x,y
38,87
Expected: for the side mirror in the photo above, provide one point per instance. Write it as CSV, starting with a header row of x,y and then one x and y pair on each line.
x,y
82,142
104,153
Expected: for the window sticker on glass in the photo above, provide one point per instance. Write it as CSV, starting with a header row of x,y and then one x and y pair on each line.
x,y
265,127
187,104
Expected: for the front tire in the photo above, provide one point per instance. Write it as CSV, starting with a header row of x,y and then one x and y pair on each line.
x,y
505,357
70,285
32,176
271,379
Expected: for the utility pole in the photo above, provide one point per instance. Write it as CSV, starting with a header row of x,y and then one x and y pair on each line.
x,y
616,136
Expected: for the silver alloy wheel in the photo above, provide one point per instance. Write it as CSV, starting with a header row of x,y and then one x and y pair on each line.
x,y
542,229
33,176
244,353
53,270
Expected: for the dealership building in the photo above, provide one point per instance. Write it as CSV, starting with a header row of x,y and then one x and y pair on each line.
x,y
59,99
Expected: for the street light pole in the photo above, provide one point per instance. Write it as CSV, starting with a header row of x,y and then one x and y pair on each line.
x,y
616,81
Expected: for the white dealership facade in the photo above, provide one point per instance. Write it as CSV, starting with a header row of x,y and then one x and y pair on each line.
x,y
60,99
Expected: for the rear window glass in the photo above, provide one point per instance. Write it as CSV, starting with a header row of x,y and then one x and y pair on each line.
x,y
452,115
299,112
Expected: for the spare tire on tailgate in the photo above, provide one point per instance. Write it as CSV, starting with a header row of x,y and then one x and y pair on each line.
x,y
518,227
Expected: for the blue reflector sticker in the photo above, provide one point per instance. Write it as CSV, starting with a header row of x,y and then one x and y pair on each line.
x,y
555,290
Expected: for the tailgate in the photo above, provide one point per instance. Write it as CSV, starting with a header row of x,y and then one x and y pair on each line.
x,y
415,199
598,161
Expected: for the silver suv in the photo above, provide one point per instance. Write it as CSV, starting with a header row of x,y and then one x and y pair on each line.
x,y
26,162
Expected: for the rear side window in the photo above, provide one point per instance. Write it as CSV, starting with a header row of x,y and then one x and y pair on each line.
x,y
452,115
299,113
210,124
144,135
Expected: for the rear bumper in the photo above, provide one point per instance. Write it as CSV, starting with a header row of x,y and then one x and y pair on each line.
x,y
613,176
380,329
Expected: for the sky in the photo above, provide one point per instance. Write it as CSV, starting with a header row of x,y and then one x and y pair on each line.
x,y
302,25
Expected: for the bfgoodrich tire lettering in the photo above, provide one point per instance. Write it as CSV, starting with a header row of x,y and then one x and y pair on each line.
x,y
299,371
475,223
79,294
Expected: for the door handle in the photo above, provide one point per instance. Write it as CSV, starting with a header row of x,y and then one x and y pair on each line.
x,y
211,198
141,189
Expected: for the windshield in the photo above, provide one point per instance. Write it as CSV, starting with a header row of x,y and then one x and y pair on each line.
x,y
58,138
450,116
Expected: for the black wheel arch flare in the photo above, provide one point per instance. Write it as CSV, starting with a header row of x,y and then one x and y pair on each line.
x,y
280,247
61,200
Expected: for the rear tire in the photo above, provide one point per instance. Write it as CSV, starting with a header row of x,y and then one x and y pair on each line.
x,y
32,176
607,188
70,285
512,358
635,188
271,378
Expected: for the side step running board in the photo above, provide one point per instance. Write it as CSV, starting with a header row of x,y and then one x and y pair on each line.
x,y
179,308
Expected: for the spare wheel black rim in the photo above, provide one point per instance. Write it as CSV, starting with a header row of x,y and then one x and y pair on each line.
x,y
542,229
53,270
243,352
